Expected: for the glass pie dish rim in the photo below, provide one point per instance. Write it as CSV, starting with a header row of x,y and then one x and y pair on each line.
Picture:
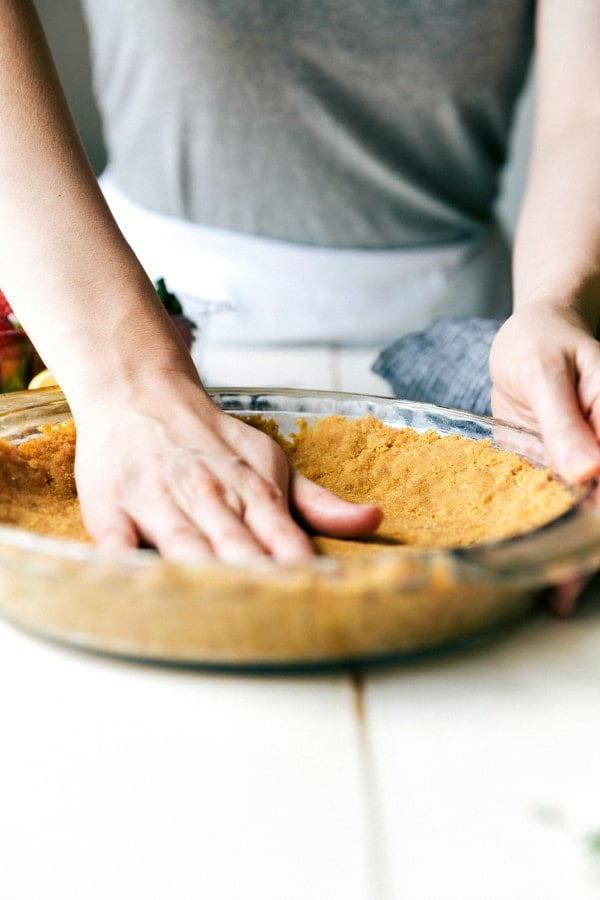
x,y
481,558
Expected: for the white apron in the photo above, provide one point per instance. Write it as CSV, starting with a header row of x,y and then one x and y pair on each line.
x,y
268,292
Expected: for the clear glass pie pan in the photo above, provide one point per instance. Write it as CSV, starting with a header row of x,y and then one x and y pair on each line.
x,y
399,604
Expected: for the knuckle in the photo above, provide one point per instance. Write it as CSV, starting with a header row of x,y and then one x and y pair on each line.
x,y
228,534
256,488
265,492
201,481
113,535
181,532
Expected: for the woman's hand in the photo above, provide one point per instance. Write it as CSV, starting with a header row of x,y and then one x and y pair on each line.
x,y
170,470
545,368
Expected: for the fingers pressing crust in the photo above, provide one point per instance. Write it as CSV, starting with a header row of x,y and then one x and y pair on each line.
x,y
223,493
242,513
327,514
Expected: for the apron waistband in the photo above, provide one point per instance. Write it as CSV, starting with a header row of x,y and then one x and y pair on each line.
x,y
268,291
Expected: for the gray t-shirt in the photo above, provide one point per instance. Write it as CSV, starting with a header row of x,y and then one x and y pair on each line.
x,y
342,123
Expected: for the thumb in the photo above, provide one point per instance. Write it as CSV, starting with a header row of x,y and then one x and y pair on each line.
x,y
570,441
325,513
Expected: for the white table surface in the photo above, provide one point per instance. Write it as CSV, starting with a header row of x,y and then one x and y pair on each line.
x,y
471,776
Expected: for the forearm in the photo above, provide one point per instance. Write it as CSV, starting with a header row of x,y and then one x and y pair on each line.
x,y
156,461
557,245
70,275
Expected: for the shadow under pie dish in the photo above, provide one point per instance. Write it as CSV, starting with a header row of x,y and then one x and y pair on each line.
x,y
357,602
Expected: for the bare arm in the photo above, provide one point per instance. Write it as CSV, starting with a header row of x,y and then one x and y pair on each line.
x,y
545,362
557,248
61,250
156,461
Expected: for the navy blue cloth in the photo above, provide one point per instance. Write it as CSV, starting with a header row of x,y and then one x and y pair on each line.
x,y
446,364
